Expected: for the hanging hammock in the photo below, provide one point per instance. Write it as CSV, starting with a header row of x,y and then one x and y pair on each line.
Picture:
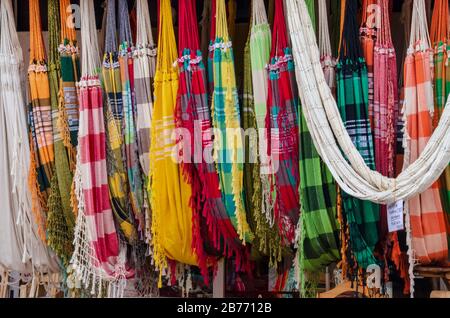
x,y
135,181
332,140
144,73
260,43
352,94
114,114
228,146
60,219
192,113
282,131
267,239
98,259
212,39
425,218
42,163
319,229
385,102
170,193
440,36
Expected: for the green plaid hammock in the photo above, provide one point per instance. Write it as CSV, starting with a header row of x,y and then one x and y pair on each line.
x,y
135,181
228,145
352,98
61,219
267,240
319,228
114,114
440,36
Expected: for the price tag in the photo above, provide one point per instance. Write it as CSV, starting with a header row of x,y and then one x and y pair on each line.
x,y
395,216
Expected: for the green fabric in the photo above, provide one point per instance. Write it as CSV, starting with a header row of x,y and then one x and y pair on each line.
x,y
352,98
266,240
310,4
60,216
320,234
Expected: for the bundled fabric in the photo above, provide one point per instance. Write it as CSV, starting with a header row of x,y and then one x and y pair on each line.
x,y
260,43
352,96
368,38
61,219
267,239
114,113
194,118
319,229
440,34
42,164
282,131
326,56
425,219
212,39
144,73
170,193
228,145
98,260
135,182
21,249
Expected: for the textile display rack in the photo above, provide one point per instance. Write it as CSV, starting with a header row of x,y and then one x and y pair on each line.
x,y
222,148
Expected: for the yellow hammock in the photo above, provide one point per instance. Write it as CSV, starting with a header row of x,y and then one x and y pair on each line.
x,y
169,193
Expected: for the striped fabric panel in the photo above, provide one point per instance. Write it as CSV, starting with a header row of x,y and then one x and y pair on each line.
x,y
427,218
96,205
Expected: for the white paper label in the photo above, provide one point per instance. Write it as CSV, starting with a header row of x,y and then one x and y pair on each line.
x,y
395,216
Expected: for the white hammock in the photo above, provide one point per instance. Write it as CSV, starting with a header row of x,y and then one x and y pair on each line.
x,y
330,136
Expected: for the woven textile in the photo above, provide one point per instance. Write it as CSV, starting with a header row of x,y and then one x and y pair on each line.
x,y
282,131
319,228
260,44
385,103
130,147
61,219
170,193
425,215
228,145
352,96
439,36
114,115
40,120
267,240
193,116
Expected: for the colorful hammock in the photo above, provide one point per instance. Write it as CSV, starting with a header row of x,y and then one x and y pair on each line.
x,y
425,218
440,36
135,182
114,114
319,229
267,239
260,44
326,56
193,116
282,131
228,145
170,193
144,74
352,94
98,259
42,163
60,219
